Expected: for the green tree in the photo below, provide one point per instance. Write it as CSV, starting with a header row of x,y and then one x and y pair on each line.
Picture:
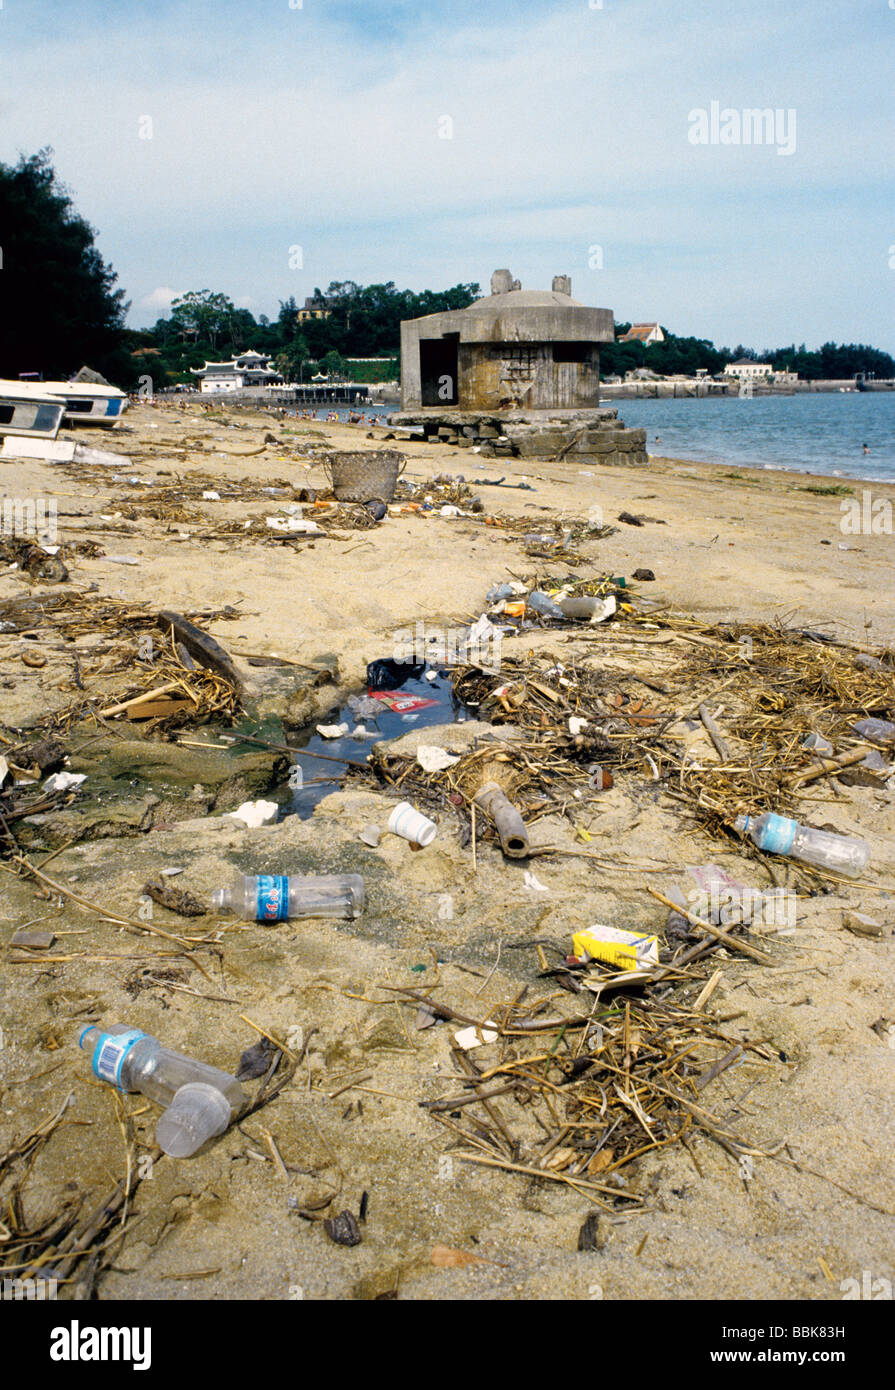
x,y
333,364
203,316
290,359
60,307
287,319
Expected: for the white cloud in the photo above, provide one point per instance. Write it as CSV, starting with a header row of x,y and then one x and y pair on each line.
x,y
159,299
570,129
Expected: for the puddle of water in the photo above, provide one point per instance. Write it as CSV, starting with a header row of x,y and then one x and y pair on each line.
x,y
388,723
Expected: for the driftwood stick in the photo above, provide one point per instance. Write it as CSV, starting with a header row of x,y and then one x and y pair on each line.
x,y
141,699
823,765
714,734
712,930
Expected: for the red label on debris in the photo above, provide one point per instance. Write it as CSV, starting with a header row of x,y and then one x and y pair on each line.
x,y
401,704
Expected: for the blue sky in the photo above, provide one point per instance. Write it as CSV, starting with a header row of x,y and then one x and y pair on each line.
x,y
276,125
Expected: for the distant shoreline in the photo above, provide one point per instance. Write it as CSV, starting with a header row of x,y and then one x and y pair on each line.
x,y
695,389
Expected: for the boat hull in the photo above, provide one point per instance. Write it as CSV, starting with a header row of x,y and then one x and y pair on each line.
x,y
25,414
88,405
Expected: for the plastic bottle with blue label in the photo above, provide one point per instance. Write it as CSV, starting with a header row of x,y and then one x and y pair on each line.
x,y
200,1101
280,897
840,854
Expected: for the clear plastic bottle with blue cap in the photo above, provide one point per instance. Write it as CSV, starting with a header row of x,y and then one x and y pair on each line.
x,y
281,897
200,1101
840,854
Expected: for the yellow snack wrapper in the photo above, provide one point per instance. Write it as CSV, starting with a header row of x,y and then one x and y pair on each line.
x,y
624,949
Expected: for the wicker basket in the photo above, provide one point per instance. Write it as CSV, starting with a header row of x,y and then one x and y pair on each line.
x,y
365,477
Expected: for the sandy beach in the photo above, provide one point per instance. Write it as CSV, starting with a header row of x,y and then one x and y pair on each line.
x,y
815,1205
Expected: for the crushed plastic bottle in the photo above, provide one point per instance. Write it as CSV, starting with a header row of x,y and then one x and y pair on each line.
x,y
200,1101
841,854
282,897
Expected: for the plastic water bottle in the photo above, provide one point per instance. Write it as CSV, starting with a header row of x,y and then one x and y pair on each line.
x,y
841,854
280,897
543,604
200,1101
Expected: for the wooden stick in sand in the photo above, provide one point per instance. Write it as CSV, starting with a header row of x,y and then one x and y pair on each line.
x,y
712,929
714,734
823,765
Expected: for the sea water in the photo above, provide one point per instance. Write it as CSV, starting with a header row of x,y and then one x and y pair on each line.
x,y
808,433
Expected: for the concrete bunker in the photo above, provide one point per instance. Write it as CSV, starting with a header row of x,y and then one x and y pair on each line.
x,y
514,349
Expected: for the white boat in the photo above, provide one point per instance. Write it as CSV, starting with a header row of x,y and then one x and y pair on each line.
x,y
87,403
27,408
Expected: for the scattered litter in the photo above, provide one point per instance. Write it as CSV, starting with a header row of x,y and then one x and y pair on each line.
x,y
332,730
841,854
282,897
401,704
363,707
878,730
64,781
371,835
514,589
256,813
507,819
293,525
469,1038
411,825
60,451
433,759
544,606
201,1100
816,743
593,609
533,883
623,949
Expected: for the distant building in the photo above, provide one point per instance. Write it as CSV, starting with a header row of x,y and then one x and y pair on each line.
x,y
747,370
643,333
314,309
514,349
248,369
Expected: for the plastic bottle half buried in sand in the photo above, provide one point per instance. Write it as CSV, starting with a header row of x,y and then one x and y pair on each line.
x,y
841,854
282,897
